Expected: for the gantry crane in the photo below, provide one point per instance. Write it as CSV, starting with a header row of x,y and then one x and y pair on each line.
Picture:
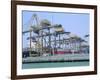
x,y
38,29
31,29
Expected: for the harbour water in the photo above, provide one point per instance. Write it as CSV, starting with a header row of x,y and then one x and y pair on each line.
x,y
54,64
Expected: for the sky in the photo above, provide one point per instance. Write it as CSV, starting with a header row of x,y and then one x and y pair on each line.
x,y
76,23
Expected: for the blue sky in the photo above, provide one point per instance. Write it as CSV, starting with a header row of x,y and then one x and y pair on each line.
x,y
77,23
